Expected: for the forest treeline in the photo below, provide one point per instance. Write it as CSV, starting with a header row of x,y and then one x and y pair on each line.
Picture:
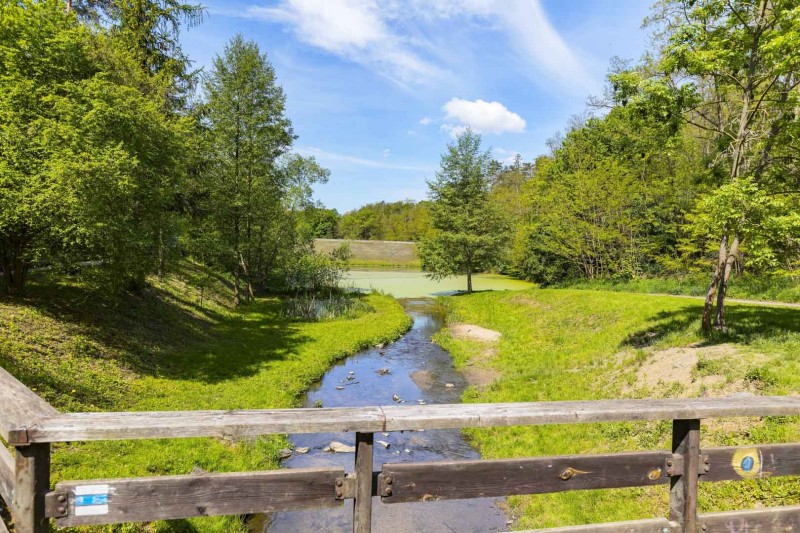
x,y
689,162
117,157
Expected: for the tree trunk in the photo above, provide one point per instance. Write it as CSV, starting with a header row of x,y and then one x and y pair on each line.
x,y
246,274
719,319
236,297
469,281
708,308
160,254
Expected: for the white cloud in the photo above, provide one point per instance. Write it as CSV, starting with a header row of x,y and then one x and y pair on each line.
x,y
526,25
328,158
354,29
481,116
425,121
386,153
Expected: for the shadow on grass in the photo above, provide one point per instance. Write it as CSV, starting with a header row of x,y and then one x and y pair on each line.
x,y
158,333
745,323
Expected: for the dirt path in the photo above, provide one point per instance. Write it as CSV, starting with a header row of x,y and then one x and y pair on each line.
x,y
765,303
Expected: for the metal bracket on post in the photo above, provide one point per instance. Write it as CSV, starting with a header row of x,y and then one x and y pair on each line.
x,y
56,504
675,465
346,487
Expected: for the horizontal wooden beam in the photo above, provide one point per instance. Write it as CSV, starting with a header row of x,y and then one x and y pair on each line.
x,y
6,475
113,501
490,478
405,482
20,408
441,416
179,424
768,520
748,462
772,519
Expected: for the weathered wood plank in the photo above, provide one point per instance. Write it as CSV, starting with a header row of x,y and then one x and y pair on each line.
x,y
452,416
6,475
31,483
20,407
683,488
770,520
180,424
762,461
3,528
654,525
490,478
174,497
362,508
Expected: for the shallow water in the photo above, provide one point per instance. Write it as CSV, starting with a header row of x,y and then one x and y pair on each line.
x,y
362,384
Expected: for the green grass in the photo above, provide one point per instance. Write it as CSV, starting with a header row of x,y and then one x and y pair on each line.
x,y
176,347
779,289
562,344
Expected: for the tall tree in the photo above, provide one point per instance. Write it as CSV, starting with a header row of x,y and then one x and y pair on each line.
x,y
470,234
248,132
734,65
85,157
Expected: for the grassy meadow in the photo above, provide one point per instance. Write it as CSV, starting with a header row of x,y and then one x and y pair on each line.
x,y
779,289
178,346
560,344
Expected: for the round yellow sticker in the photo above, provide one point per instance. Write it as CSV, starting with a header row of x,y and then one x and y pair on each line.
x,y
747,462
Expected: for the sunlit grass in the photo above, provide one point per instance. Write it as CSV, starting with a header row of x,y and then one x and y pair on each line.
x,y
177,347
579,344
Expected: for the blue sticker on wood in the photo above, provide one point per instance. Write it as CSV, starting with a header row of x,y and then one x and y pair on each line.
x,y
748,463
91,499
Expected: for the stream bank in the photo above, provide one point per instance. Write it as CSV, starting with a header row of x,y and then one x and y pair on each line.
x,y
412,370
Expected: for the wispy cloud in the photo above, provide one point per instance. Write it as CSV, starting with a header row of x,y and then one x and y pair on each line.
x,y
353,29
481,116
327,157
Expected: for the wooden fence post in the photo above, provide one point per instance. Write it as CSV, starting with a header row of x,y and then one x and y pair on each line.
x,y
362,508
683,488
32,481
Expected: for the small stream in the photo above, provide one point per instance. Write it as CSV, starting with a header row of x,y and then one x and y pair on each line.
x,y
418,371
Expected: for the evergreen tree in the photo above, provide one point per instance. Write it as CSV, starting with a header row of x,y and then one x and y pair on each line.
x,y
470,234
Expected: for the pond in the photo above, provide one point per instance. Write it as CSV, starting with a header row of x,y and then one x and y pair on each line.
x,y
416,284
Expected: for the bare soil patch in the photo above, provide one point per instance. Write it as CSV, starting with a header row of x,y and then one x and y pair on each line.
x,y
474,333
478,371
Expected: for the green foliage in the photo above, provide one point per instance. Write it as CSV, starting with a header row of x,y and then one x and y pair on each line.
x,y
387,221
87,160
470,233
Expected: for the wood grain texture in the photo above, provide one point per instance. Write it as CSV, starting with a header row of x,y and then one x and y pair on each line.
x,y
770,520
3,528
362,508
20,407
31,483
174,497
6,475
773,460
178,424
490,478
444,416
181,424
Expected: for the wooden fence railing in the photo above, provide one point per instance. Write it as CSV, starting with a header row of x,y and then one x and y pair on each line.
x,y
29,425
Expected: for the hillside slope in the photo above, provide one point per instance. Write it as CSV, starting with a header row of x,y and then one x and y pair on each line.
x,y
178,346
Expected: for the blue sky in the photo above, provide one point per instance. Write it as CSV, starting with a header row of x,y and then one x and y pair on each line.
x,y
377,88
